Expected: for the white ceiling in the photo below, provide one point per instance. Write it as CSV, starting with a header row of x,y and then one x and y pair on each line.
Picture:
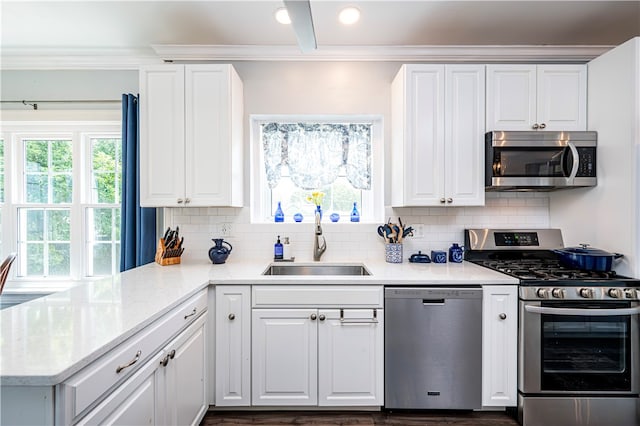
x,y
128,29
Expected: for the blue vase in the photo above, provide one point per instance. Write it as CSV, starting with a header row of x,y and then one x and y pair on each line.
x,y
298,217
355,215
334,217
319,210
279,215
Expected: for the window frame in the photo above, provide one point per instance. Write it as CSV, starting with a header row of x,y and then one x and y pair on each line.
x,y
80,133
372,210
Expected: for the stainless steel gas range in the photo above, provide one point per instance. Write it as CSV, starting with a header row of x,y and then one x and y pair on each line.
x,y
578,333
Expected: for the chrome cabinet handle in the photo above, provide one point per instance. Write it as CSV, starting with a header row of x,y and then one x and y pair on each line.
x,y
502,316
442,200
449,200
535,126
232,317
168,357
130,363
172,354
313,317
542,126
187,200
191,314
180,201
322,317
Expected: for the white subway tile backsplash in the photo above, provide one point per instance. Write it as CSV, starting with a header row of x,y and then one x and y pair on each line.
x,y
348,241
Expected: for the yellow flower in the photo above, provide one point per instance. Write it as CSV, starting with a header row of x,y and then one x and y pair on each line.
x,y
315,197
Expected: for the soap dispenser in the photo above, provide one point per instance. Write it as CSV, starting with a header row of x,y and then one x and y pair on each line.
x,y
278,250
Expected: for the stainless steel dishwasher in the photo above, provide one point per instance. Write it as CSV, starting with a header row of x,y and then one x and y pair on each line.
x,y
433,347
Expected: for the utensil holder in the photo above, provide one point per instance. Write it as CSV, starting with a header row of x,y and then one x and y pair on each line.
x,y
161,254
393,252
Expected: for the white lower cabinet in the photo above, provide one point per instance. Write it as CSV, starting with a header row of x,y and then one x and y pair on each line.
x,y
499,346
285,357
326,357
184,371
233,346
351,358
168,390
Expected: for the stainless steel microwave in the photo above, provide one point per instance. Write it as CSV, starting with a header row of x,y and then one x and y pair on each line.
x,y
539,161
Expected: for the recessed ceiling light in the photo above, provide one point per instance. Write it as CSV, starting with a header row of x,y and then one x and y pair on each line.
x,y
349,15
282,16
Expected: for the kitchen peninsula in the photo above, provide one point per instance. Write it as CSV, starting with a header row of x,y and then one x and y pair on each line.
x,y
60,352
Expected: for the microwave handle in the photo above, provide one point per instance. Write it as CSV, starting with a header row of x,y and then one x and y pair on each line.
x,y
574,167
584,312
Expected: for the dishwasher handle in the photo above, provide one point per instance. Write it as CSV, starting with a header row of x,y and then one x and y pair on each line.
x,y
431,302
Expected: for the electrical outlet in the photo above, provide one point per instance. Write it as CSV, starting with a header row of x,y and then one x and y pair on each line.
x,y
225,229
418,230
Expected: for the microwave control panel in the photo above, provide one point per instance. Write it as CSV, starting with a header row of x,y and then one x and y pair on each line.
x,y
586,162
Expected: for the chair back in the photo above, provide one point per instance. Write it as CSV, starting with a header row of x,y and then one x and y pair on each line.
x,y
4,269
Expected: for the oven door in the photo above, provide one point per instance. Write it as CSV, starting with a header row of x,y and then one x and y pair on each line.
x,y
579,347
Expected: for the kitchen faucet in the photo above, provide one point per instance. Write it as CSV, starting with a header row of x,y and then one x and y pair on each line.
x,y
318,249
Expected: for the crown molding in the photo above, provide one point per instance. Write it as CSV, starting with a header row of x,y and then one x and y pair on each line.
x,y
381,53
74,59
131,59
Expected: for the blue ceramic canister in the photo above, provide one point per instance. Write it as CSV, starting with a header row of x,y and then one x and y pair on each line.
x,y
455,253
438,256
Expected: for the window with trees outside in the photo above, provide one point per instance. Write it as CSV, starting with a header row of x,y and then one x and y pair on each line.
x,y
64,209
297,155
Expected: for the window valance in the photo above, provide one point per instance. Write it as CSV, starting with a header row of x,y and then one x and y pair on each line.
x,y
315,153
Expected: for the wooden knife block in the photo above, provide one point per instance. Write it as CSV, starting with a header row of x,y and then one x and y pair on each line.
x,y
160,252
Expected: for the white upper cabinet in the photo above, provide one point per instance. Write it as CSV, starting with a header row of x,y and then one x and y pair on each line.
x,y
536,97
438,135
191,136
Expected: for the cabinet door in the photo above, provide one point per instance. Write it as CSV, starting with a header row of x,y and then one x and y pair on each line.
x,y
162,135
233,346
418,142
562,97
499,347
212,135
285,357
134,402
185,372
511,97
464,135
351,358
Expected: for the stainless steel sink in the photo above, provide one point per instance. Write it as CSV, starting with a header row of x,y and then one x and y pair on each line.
x,y
321,269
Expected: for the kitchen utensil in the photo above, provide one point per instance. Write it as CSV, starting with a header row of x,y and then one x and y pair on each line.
x,y
419,258
220,252
587,258
408,232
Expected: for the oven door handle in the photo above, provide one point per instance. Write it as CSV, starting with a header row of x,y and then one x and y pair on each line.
x,y
584,312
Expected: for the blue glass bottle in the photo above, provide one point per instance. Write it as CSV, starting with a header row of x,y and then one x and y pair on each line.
x,y
279,215
355,215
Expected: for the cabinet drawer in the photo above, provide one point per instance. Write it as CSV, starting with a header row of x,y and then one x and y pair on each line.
x,y
317,296
86,387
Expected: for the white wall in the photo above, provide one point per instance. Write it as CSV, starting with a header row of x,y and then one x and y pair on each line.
x,y
607,216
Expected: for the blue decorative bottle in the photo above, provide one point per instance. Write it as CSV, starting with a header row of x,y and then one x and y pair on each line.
x,y
355,215
279,215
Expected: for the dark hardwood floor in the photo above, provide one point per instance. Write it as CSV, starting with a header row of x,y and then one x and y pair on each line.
x,y
358,418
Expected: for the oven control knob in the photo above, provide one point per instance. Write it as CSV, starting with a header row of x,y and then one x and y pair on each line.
x,y
587,293
616,293
543,293
558,293
630,293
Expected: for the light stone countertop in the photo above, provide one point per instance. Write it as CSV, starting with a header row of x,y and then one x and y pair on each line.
x,y
45,341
